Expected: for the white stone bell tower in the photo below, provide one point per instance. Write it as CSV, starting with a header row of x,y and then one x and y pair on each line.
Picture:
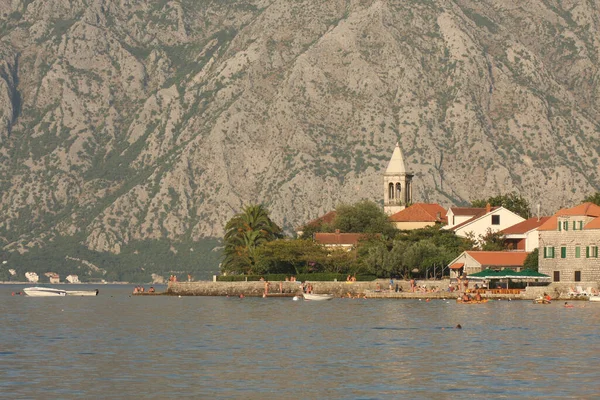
x,y
397,184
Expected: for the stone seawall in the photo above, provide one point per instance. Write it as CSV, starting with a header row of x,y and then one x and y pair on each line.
x,y
208,288
343,289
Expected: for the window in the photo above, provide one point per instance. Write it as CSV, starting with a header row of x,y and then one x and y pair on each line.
x,y
577,276
548,252
495,220
563,252
556,276
580,225
566,225
577,252
574,225
594,251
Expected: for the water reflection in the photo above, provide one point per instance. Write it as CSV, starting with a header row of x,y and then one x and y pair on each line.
x,y
116,345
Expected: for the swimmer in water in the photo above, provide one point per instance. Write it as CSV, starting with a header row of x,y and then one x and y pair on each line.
x,y
458,326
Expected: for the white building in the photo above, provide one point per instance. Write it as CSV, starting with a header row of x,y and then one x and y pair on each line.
x,y
32,277
72,279
53,277
478,221
524,236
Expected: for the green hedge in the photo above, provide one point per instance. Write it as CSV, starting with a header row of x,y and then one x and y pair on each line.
x,y
302,277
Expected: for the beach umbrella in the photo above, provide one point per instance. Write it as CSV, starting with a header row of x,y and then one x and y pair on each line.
x,y
485,274
531,274
491,274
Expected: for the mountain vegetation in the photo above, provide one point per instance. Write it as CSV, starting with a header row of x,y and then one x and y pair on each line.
x,y
512,201
133,126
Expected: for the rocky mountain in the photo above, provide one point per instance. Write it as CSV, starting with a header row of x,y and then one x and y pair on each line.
x,y
134,120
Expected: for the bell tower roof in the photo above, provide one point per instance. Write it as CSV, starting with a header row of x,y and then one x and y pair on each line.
x,y
396,164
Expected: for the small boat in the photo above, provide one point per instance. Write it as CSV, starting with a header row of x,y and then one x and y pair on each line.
x,y
38,291
317,297
594,297
482,301
541,300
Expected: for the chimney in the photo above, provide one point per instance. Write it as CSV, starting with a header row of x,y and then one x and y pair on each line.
x,y
488,208
438,216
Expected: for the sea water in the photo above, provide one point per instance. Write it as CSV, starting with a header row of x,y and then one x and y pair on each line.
x,y
118,346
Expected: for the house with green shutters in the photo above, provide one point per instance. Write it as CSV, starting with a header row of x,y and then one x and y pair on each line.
x,y
569,243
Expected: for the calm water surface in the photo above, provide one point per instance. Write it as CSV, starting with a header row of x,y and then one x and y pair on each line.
x,y
118,346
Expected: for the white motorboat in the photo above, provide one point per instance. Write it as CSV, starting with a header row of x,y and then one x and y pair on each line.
x,y
82,292
594,297
38,291
317,297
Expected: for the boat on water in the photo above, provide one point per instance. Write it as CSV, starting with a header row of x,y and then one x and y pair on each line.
x,y
317,297
39,291
541,300
82,292
594,297
461,301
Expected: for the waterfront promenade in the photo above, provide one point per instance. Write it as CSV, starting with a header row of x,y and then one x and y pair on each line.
x,y
379,289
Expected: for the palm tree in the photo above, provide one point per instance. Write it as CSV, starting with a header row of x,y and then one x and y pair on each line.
x,y
244,233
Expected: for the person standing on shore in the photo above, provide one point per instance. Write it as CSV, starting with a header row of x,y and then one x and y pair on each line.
x,y
412,285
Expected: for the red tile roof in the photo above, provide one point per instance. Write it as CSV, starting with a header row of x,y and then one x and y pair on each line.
x,y
499,258
479,215
593,224
457,265
421,212
325,219
339,238
525,226
585,209
467,210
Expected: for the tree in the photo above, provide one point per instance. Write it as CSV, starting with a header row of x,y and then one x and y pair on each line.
x,y
363,217
593,198
422,255
374,257
289,256
244,234
492,241
310,229
512,201
532,260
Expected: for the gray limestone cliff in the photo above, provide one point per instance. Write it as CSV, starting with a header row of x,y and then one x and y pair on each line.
x,y
125,120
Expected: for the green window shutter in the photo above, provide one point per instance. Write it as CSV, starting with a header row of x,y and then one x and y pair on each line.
x,y
552,252
563,252
595,251
587,251
580,225
574,226
566,225
559,226
577,252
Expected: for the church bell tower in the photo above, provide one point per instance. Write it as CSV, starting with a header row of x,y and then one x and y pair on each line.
x,y
397,184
